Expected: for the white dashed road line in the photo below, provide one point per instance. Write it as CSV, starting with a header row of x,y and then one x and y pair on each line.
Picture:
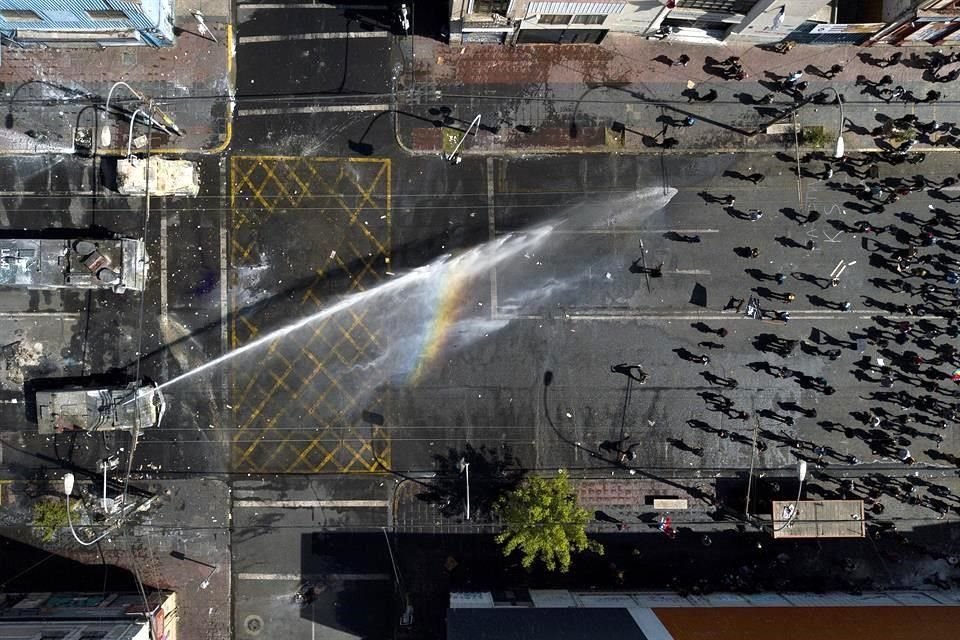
x,y
314,108
290,37
311,504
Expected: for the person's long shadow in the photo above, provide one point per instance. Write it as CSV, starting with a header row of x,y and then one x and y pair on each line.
x,y
748,100
686,354
817,301
792,215
857,129
789,243
711,378
841,225
785,158
729,173
823,283
860,207
759,275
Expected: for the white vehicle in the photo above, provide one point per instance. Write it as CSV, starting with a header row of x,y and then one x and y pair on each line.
x,y
167,177
136,405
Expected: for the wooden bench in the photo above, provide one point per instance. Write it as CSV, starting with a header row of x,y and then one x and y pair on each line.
x,y
670,504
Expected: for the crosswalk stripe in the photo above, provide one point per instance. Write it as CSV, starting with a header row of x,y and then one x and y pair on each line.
x,y
308,504
333,577
253,6
287,37
332,108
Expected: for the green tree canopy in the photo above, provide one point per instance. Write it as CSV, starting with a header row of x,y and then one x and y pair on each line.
x,y
49,515
544,521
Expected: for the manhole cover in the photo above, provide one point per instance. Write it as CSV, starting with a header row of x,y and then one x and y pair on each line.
x,y
253,624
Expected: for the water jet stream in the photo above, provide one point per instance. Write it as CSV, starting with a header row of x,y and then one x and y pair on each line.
x,y
466,265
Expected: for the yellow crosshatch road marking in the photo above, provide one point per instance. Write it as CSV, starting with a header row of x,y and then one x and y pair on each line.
x,y
301,230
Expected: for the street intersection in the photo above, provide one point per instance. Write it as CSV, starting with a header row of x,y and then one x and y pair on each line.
x,y
486,303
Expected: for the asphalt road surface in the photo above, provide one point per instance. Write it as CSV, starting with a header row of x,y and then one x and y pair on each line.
x,y
432,303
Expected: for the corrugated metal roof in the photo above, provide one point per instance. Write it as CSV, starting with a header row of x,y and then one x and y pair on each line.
x,y
147,16
583,7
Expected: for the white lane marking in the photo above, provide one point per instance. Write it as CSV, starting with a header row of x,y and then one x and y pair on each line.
x,y
164,299
492,233
314,108
561,230
660,318
296,577
39,314
323,35
690,272
253,6
301,504
48,194
226,214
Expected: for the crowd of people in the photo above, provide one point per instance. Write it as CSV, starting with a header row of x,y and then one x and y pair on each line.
x,y
907,351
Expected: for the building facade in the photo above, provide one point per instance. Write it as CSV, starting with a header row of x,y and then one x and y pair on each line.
x,y
70,23
88,616
898,22
572,615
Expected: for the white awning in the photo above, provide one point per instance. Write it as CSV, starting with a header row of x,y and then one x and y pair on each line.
x,y
583,7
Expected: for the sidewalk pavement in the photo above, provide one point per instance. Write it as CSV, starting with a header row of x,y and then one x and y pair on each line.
x,y
49,92
608,97
624,504
191,518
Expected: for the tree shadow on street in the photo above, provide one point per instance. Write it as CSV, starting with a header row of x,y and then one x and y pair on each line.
x,y
493,472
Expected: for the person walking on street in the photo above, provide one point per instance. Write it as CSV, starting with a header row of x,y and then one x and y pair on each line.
x,y
755,214
833,71
889,62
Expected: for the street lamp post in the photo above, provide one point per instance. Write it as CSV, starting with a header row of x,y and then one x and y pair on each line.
x,y
206,581
168,125
464,468
133,121
68,481
838,151
453,157
802,472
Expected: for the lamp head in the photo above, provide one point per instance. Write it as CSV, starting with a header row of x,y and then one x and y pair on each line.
x,y
803,470
838,151
68,481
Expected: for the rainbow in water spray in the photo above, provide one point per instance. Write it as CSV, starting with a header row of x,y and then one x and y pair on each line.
x,y
453,273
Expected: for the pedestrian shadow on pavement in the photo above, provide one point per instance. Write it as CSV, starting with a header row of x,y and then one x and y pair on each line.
x,y
789,243
792,215
748,100
823,283
686,354
759,275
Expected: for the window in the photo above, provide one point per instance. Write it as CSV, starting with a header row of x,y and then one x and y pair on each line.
x,y
491,6
554,19
106,14
589,19
20,15
718,6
